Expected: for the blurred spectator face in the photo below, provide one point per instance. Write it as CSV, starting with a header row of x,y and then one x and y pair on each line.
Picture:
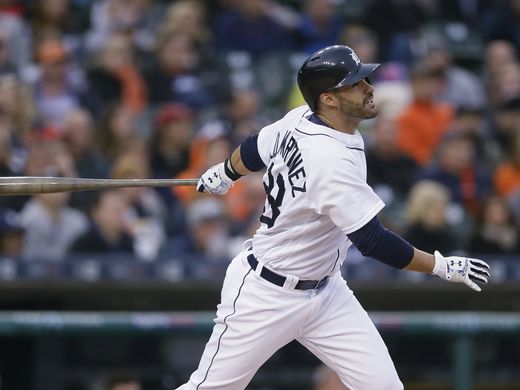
x,y
506,84
54,201
497,212
209,226
54,10
122,123
456,154
362,40
53,59
187,16
426,88
471,122
4,52
77,131
174,126
131,166
438,58
244,105
117,52
498,53
320,11
253,8
177,54
110,211
427,204
384,135
9,95
125,14
217,151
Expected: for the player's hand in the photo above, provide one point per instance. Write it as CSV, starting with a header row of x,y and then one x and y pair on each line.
x,y
215,180
459,269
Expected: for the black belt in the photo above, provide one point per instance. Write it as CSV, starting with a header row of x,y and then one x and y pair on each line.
x,y
279,280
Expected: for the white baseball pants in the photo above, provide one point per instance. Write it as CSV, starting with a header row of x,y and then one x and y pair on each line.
x,y
256,318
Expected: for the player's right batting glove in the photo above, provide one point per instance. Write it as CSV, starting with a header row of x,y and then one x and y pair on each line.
x,y
218,179
461,270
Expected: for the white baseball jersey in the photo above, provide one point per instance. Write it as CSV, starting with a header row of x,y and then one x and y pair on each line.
x,y
316,194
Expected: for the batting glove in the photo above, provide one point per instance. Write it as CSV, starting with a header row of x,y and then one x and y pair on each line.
x,y
218,179
461,270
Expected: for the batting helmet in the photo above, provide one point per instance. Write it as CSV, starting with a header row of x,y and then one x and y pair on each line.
x,y
330,68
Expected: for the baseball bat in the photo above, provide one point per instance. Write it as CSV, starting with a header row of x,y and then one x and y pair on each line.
x,y
30,185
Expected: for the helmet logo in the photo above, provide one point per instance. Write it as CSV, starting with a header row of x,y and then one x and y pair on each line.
x,y
355,58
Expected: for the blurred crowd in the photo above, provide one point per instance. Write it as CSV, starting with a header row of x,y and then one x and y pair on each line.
x,y
165,89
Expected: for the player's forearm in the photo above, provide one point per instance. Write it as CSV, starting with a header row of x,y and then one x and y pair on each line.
x,y
421,262
237,163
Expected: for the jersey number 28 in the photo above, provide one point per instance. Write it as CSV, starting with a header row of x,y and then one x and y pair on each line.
x,y
274,201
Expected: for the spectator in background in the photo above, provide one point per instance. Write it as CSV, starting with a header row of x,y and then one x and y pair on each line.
x,y
507,173
389,171
462,88
51,226
426,224
496,230
421,125
394,22
177,75
146,213
116,132
320,26
108,231
471,122
55,91
505,85
7,65
456,167
503,22
506,124
58,18
116,77
188,17
122,381
135,18
170,141
17,118
17,34
242,117
77,135
362,40
207,231
11,234
249,26
497,54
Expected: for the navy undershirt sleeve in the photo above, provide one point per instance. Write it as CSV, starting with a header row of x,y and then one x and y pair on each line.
x,y
249,154
374,241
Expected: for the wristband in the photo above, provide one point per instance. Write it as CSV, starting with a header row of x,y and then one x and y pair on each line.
x,y
230,171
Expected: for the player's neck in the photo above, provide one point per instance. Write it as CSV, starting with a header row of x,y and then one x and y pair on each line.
x,y
338,123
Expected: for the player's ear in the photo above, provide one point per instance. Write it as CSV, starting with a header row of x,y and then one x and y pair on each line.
x,y
328,99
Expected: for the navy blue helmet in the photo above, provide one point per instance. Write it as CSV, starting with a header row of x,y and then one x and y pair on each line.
x,y
330,68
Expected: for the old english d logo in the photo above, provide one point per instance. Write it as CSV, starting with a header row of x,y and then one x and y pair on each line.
x,y
355,58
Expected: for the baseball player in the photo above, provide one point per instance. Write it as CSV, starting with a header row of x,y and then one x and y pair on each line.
x,y
286,283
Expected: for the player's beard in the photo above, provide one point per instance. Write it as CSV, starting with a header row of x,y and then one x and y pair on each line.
x,y
356,109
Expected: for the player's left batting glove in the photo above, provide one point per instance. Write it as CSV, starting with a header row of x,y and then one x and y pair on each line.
x,y
461,270
218,179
